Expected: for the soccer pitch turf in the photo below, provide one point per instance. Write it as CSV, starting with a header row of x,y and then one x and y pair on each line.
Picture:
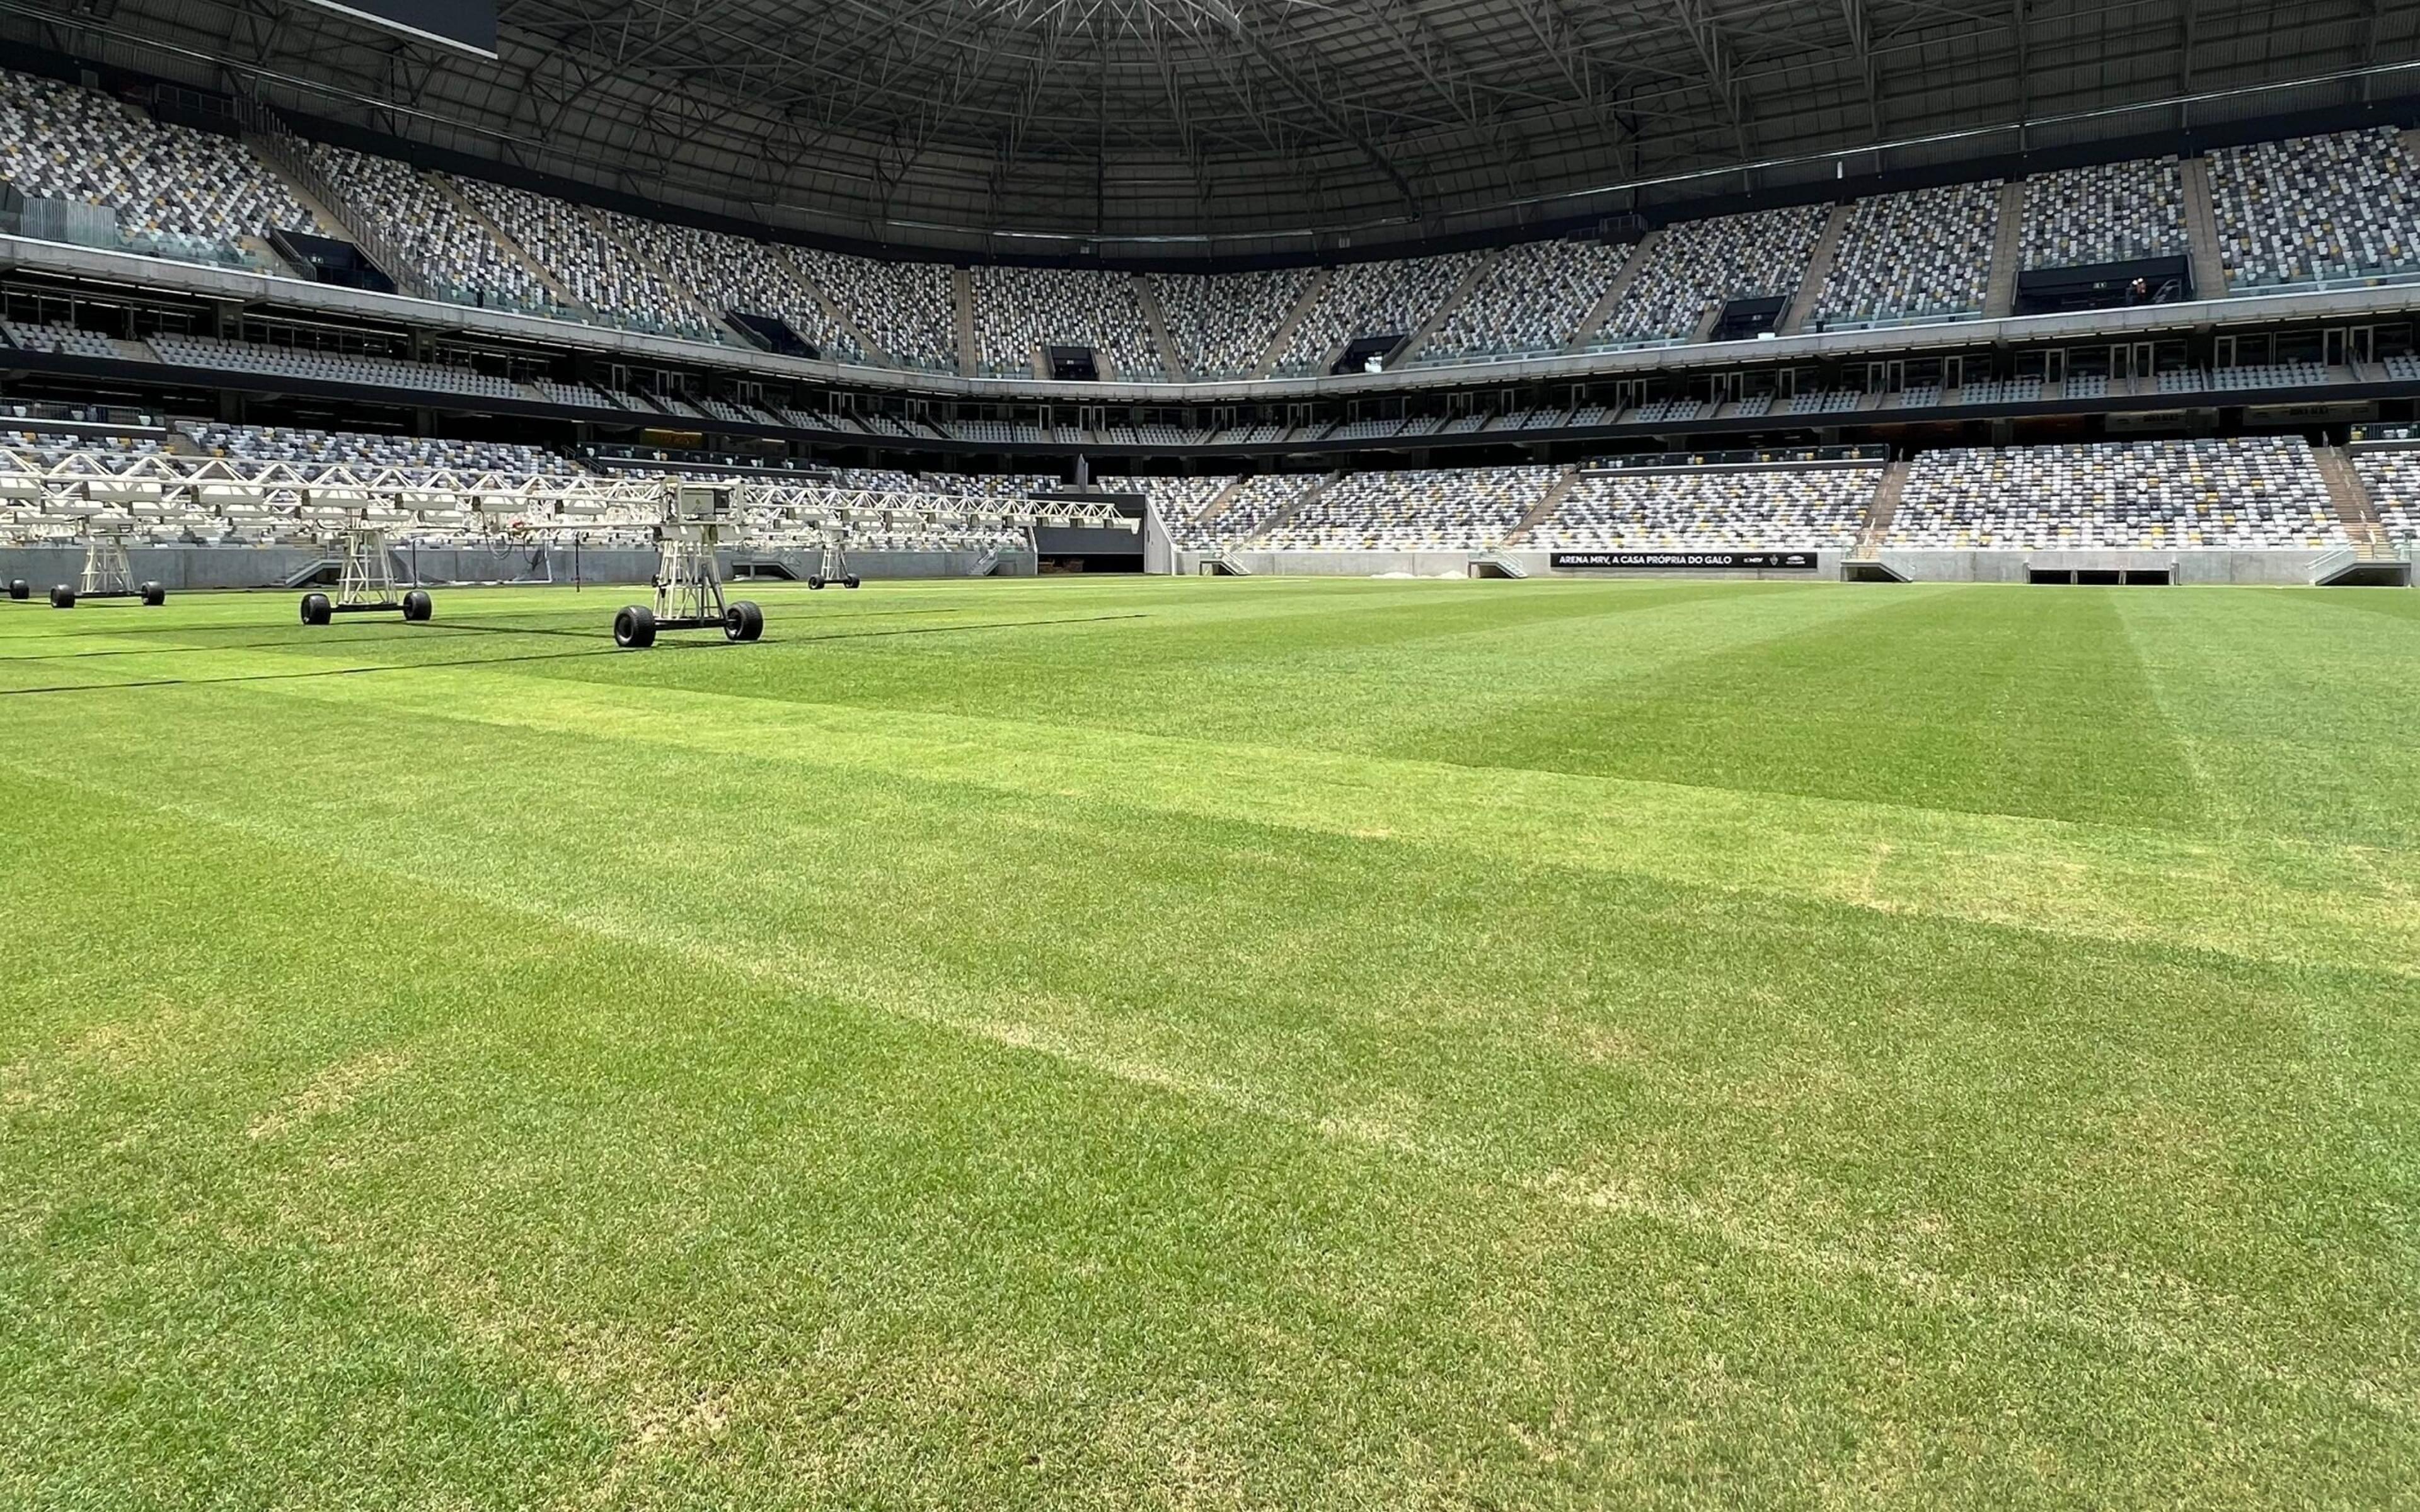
x,y
1215,1044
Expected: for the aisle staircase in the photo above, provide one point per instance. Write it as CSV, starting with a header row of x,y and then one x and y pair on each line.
x,y
1219,501
1157,319
1818,268
962,293
2350,498
504,243
1312,294
1882,511
1302,501
1427,329
2008,247
2201,232
1603,309
1544,508
832,312
675,287
286,157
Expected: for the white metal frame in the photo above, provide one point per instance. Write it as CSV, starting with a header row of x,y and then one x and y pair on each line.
x,y
53,498
106,572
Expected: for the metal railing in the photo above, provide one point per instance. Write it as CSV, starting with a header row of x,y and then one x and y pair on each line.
x,y
2384,276
268,135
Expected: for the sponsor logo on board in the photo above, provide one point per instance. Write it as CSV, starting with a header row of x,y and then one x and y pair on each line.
x,y
1683,561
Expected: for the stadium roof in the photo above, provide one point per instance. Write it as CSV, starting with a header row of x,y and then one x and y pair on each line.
x,y
922,120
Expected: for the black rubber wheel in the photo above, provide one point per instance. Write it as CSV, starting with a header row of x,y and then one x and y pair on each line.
x,y
814,579
635,628
62,598
154,594
743,621
417,605
850,581
20,589
317,610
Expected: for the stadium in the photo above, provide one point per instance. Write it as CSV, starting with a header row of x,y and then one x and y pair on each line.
x,y
1209,754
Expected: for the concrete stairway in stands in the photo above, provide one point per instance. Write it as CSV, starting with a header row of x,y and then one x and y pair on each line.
x,y
1156,319
1880,512
1603,310
290,163
962,293
674,287
510,248
1418,341
2201,231
2007,246
1308,496
1818,268
1293,322
832,312
1219,501
1544,508
2350,498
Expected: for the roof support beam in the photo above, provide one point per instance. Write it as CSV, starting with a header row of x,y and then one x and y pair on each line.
x,y
2188,18
1721,76
2021,14
1562,44
1315,100
1861,42
1434,60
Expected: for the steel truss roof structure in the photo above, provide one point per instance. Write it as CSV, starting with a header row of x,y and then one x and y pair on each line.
x,y
946,123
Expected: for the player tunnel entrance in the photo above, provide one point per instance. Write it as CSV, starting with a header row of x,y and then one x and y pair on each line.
x,y
1093,550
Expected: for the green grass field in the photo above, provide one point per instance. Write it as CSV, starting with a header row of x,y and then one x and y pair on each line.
x,y
1215,1044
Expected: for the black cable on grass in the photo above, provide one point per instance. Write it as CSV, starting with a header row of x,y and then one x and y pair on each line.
x,y
250,628
320,672
502,661
955,629
300,642
586,632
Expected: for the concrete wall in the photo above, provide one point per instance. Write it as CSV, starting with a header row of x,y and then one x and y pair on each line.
x,y
1453,564
2249,569
2260,568
1356,563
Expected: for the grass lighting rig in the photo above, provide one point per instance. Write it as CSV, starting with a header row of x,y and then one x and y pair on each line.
x,y
106,572
689,572
366,581
365,512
